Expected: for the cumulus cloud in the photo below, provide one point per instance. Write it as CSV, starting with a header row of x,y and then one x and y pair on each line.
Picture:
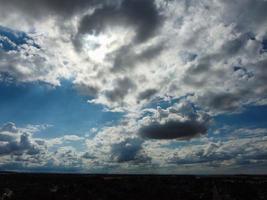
x,y
21,149
221,101
41,8
170,49
172,130
117,146
129,55
147,94
87,155
9,127
202,66
180,121
142,15
128,150
25,61
17,142
121,89
231,152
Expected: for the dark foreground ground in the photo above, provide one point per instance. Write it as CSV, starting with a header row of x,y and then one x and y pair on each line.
x,y
127,187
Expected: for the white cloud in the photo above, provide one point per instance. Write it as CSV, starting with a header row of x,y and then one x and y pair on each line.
x,y
180,121
195,51
14,141
209,49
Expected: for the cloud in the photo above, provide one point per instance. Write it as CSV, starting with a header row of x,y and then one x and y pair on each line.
x,y
63,141
126,58
129,55
122,88
180,121
238,149
125,27
142,15
41,8
72,138
187,64
236,152
128,150
66,156
87,155
173,130
13,40
21,59
17,142
9,127
20,147
147,94
221,101
174,49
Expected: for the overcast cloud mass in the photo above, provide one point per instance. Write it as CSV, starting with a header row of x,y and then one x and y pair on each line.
x,y
133,86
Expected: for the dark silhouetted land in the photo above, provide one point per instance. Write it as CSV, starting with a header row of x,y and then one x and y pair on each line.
x,y
74,186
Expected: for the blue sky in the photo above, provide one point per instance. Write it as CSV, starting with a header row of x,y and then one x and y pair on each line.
x,y
133,86
61,107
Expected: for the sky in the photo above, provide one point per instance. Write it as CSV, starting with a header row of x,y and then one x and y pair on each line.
x,y
133,86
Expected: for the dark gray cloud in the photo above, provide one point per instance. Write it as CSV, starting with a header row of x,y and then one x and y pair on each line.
x,y
87,90
15,142
180,121
251,84
173,130
88,156
260,79
221,101
128,150
202,154
198,74
241,151
223,61
40,8
126,58
232,47
122,87
6,137
147,94
24,145
252,18
142,15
